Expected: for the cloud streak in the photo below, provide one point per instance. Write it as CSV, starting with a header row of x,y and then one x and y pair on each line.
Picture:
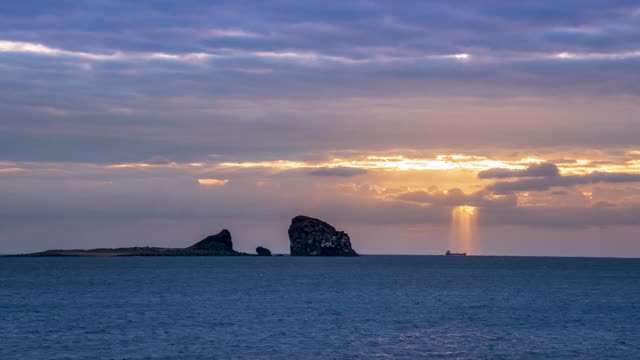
x,y
534,170
300,57
543,184
338,171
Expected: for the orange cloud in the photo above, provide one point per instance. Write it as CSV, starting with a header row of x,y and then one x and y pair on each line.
x,y
213,182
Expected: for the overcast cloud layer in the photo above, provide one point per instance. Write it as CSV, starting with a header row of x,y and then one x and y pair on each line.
x,y
382,117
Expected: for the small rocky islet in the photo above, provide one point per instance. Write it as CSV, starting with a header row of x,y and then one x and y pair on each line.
x,y
307,237
262,251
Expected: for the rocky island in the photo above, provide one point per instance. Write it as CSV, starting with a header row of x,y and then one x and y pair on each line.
x,y
307,237
213,245
314,237
262,251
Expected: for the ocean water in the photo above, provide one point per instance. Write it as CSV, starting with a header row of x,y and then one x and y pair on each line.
x,y
370,307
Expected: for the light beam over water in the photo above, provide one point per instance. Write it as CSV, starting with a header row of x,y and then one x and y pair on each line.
x,y
463,229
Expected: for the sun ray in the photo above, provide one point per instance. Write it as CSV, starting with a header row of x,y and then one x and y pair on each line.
x,y
463,229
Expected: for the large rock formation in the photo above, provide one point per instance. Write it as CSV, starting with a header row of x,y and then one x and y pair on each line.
x,y
313,237
219,242
262,251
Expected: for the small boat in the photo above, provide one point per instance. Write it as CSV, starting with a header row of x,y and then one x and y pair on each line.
x,y
449,253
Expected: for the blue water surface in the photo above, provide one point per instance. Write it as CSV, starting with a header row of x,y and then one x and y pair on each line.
x,y
370,307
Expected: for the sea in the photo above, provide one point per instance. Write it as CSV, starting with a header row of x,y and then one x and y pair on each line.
x,y
281,307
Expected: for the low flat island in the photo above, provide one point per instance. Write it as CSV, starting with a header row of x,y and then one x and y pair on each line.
x,y
213,245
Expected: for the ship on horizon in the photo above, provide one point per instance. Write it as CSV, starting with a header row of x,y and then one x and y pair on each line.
x,y
449,253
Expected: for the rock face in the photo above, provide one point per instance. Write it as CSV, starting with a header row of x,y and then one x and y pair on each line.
x,y
220,242
313,237
263,251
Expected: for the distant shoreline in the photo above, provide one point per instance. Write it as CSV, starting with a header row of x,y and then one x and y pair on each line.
x,y
240,254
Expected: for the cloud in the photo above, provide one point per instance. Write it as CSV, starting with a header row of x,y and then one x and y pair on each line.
x,y
197,197
546,183
178,193
303,58
599,215
338,171
7,46
544,176
231,33
598,56
534,170
213,182
35,48
158,160
457,197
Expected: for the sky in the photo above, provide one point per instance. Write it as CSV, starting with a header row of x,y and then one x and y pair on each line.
x,y
492,127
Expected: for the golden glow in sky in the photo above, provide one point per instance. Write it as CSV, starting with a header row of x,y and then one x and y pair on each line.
x,y
447,162
396,163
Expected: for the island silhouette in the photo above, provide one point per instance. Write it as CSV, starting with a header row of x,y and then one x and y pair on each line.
x,y
307,237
